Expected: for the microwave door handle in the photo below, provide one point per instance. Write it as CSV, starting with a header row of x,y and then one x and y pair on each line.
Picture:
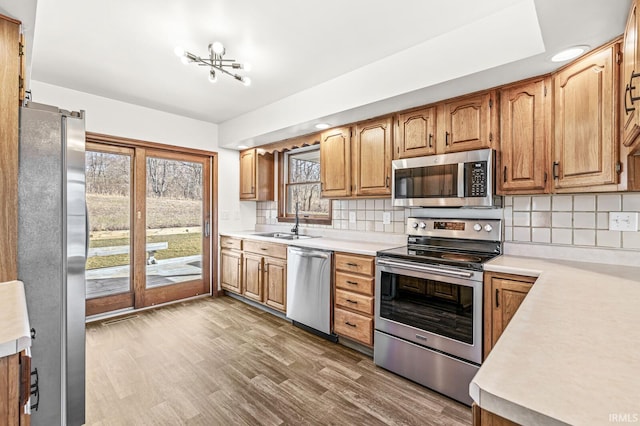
x,y
461,182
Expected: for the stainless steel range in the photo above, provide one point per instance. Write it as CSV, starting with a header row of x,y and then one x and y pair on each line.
x,y
429,302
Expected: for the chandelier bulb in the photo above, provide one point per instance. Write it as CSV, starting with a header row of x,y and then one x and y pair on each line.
x,y
246,81
184,60
246,66
217,48
179,51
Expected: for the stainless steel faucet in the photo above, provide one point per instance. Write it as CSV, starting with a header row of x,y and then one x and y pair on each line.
x,y
297,225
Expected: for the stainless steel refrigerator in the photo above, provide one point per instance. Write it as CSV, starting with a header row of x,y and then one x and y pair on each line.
x,y
51,256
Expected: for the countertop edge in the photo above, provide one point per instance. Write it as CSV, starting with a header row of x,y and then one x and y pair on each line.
x,y
319,242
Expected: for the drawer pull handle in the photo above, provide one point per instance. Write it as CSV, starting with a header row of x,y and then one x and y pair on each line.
x,y
349,324
264,248
352,301
352,282
351,264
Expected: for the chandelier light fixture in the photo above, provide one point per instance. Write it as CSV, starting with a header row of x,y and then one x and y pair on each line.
x,y
216,62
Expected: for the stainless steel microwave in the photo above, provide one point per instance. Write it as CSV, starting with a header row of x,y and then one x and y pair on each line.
x,y
460,179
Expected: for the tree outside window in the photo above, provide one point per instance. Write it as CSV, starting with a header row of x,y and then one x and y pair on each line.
x,y
302,186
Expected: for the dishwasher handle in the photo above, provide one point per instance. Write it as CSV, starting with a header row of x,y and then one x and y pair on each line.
x,y
322,254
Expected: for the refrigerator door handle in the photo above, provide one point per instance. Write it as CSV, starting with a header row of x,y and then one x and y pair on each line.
x,y
86,232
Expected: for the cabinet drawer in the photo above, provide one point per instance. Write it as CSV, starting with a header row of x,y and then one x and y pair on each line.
x,y
356,283
231,243
355,326
266,249
355,263
354,301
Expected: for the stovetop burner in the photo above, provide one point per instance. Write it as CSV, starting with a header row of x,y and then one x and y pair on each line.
x,y
461,257
455,243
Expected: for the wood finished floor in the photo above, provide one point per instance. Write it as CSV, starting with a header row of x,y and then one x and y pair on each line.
x,y
222,362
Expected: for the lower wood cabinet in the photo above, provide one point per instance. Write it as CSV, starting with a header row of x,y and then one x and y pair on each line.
x,y
15,381
503,295
259,272
231,264
353,297
486,418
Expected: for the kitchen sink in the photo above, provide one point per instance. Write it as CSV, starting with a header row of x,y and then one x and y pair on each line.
x,y
282,235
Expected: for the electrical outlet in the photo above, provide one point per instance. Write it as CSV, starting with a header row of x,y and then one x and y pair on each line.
x,y
623,221
352,217
386,218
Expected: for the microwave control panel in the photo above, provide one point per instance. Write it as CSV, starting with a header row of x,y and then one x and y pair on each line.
x,y
475,176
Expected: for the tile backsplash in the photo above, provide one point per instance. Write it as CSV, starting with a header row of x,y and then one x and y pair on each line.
x,y
576,219
368,215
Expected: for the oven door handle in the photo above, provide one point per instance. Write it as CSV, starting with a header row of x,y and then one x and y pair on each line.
x,y
424,268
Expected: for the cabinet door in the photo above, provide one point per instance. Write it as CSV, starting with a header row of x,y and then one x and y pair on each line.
x,y
372,157
231,270
248,174
275,283
416,133
585,116
9,103
335,163
507,298
524,140
629,114
468,123
252,276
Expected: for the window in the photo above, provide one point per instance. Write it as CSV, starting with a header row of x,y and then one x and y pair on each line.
x,y
300,173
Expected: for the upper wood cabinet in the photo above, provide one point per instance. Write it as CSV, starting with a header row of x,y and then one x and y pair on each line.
x,y
468,122
503,295
335,162
371,156
585,121
10,78
525,118
415,133
256,175
629,114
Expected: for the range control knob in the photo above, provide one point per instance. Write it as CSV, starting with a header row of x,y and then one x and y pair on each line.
x,y
423,225
414,225
477,227
488,228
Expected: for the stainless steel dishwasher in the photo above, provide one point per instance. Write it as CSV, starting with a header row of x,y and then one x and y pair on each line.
x,y
309,289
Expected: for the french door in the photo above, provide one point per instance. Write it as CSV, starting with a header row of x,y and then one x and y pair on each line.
x,y
150,226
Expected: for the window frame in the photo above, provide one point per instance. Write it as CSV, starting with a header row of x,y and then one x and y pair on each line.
x,y
283,181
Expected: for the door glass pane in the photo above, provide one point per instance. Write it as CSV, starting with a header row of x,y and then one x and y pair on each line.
x,y
108,192
174,221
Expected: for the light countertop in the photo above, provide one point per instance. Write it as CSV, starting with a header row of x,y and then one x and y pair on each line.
x,y
368,248
15,334
571,353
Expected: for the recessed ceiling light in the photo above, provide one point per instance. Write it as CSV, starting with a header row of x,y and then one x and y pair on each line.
x,y
242,147
322,126
570,53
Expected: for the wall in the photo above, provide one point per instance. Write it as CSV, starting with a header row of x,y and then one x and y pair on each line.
x,y
368,215
580,220
117,118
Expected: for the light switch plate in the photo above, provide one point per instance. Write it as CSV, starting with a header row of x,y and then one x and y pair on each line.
x,y
352,217
386,218
623,221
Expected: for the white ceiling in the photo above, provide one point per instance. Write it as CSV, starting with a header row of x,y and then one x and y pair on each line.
x,y
300,50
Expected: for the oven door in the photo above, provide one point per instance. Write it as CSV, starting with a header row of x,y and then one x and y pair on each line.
x,y
432,306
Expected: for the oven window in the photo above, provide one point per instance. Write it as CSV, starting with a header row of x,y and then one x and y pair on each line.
x,y
441,308
427,182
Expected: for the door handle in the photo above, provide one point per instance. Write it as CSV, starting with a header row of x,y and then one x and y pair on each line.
x,y
446,138
497,297
556,170
504,174
207,230
430,140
